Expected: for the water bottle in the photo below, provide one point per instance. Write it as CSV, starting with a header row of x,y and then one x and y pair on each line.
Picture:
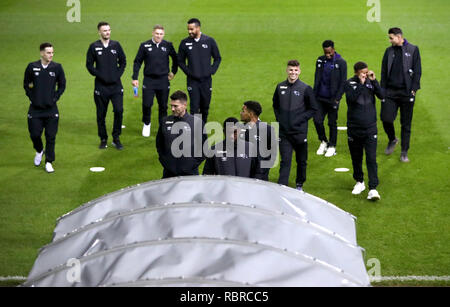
x,y
135,91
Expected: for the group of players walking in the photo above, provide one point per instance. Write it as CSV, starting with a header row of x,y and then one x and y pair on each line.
x,y
294,103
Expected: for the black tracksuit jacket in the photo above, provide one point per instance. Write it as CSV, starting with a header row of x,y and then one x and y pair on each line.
x,y
261,134
44,87
192,127
198,55
230,161
361,108
412,67
338,77
293,104
156,59
109,62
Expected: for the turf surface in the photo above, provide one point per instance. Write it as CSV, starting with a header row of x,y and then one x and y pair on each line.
x,y
408,230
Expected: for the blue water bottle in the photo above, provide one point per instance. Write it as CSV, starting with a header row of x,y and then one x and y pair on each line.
x,y
135,91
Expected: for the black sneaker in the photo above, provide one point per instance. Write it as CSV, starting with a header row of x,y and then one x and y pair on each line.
x,y
116,143
103,144
391,146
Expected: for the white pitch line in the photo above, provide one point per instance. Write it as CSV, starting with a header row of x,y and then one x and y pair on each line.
x,y
410,278
8,278
372,279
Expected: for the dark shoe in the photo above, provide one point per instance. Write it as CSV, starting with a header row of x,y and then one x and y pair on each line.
x,y
391,146
404,157
103,144
116,143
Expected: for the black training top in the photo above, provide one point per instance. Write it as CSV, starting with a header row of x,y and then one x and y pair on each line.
x,y
44,87
156,59
198,55
294,104
361,109
188,135
109,62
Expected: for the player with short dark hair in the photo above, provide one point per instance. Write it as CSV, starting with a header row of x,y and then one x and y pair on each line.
x,y
110,62
400,77
184,158
195,22
294,104
233,156
329,80
198,49
360,92
261,135
44,83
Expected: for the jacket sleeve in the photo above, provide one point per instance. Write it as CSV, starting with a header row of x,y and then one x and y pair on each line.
x,y
122,60
138,62
310,102
343,79
61,82
90,59
160,141
163,158
182,55
27,80
276,104
417,71
377,90
384,69
216,56
174,56
203,144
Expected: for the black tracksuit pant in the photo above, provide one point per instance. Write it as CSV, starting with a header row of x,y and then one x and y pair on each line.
x,y
200,96
360,140
389,108
325,106
168,174
102,95
149,91
288,144
36,125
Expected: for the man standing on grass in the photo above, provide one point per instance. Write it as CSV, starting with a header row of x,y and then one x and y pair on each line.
x,y
198,49
234,156
329,80
294,104
400,77
157,74
261,135
44,83
110,62
360,92
180,139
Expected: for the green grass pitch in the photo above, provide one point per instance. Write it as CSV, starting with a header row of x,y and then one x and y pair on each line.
x,y
407,230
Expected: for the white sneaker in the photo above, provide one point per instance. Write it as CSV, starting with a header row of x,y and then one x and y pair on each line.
x,y
331,151
38,158
373,195
146,130
358,188
49,167
322,148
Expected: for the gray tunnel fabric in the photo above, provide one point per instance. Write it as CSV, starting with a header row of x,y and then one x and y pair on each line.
x,y
227,260
227,189
204,231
